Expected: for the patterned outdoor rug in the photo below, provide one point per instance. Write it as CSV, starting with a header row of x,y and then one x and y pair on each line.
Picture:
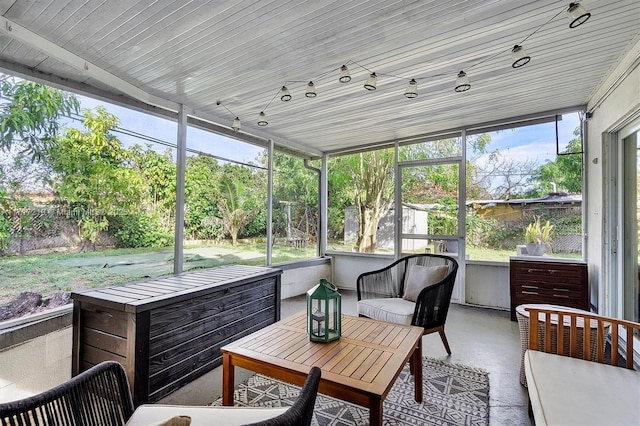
x,y
454,394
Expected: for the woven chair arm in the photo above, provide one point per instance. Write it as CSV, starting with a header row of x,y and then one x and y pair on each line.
x,y
97,396
432,304
301,412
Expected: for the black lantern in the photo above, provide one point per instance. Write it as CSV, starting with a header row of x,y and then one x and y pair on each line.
x,y
323,312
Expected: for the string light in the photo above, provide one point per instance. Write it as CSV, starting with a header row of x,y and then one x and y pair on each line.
x,y
412,89
285,96
519,57
576,13
370,84
462,82
236,125
311,90
262,119
345,77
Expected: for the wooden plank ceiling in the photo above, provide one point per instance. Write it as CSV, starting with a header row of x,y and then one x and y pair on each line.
x,y
241,52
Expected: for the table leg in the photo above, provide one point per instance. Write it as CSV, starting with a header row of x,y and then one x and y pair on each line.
x,y
375,413
417,370
228,379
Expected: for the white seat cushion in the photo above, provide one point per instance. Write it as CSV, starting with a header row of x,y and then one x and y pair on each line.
x,y
393,309
150,414
570,391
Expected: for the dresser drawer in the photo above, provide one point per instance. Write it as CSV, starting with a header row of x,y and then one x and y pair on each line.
x,y
547,281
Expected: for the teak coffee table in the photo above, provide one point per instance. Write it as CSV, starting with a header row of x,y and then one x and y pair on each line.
x,y
360,367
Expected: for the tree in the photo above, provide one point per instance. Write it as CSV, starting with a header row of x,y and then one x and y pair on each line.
x,y
234,216
369,174
565,171
94,173
514,176
29,122
296,187
159,174
202,197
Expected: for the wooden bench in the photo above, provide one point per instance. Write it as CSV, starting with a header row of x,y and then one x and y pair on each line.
x,y
570,390
168,331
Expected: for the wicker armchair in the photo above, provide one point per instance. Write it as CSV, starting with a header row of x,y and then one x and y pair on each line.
x,y
382,294
299,414
98,396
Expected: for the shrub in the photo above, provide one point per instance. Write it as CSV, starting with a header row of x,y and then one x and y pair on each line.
x,y
139,230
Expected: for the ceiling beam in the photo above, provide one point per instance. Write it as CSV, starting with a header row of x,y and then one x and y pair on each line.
x,y
35,41
125,101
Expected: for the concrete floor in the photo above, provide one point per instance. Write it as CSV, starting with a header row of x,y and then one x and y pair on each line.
x,y
483,338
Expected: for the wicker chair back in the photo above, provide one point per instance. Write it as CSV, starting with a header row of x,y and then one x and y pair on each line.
x,y
97,396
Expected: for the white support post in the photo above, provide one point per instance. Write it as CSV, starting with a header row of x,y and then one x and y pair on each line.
x,y
324,205
397,203
270,202
180,177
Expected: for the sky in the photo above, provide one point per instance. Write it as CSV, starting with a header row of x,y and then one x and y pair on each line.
x,y
166,130
536,142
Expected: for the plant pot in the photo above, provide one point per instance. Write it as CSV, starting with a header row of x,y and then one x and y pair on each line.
x,y
451,246
534,249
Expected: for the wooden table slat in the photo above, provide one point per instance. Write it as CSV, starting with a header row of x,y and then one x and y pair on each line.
x,y
337,364
399,339
266,342
367,364
377,367
383,335
306,350
362,357
327,356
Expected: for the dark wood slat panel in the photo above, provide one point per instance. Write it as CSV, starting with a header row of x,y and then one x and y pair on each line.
x,y
105,341
138,292
214,325
96,356
106,320
158,393
205,325
189,311
114,295
159,289
168,366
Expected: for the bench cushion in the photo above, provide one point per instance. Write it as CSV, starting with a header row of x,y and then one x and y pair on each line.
x,y
570,391
152,414
391,309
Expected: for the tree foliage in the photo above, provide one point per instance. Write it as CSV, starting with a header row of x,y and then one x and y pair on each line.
x,y
565,171
369,176
30,120
93,172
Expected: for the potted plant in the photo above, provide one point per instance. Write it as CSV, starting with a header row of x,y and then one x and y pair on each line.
x,y
537,236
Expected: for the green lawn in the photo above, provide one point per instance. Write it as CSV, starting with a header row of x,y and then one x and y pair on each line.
x,y
47,274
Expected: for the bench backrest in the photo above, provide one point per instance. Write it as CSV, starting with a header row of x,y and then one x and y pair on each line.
x,y
572,325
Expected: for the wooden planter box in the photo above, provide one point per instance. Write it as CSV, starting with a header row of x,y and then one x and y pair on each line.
x,y
168,331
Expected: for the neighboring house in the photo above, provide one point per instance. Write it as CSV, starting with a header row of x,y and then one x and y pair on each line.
x,y
523,210
555,204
